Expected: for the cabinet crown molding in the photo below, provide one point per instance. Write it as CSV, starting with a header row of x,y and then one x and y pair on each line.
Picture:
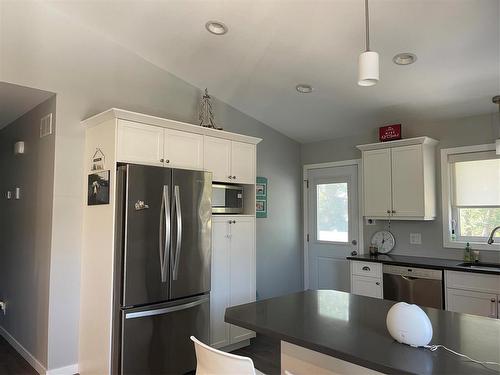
x,y
116,113
398,143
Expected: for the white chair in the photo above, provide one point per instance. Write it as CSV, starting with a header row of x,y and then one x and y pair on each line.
x,y
211,361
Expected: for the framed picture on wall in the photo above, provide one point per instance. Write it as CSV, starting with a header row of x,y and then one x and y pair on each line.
x,y
98,188
261,197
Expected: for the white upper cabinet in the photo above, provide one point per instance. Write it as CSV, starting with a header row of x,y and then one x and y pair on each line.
x,y
407,181
218,158
377,182
183,150
399,179
139,143
230,161
243,162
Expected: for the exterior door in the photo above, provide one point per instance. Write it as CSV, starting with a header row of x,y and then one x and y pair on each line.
x,y
145,278
191,243
332,225
156,340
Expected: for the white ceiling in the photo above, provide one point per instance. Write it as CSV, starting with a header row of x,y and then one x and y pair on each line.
x,y
272,45
16,100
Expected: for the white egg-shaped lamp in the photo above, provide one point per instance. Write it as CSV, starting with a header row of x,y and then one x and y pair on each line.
x,y
409,324
368,68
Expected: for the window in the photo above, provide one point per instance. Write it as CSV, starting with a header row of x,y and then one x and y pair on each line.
x,y
332,212
472,194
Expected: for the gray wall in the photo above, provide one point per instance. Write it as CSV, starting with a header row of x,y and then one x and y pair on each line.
x,y
90,74
451,133
26,230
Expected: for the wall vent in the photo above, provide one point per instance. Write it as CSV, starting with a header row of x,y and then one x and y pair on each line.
x,y
46,125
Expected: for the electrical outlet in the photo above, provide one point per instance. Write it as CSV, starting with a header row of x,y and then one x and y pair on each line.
x,y
369,221
415,238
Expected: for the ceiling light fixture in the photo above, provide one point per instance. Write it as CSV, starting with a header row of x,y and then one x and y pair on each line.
x,y
304,89
216,27
404,58
368,67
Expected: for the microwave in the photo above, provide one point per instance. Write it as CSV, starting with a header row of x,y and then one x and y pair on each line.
x,y
227,199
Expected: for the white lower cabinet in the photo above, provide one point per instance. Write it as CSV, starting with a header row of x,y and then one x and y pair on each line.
x,y
476,303
366,279
233,275
473,293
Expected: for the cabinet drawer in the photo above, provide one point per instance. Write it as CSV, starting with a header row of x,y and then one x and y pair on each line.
x,y
366,286
366,269
473,281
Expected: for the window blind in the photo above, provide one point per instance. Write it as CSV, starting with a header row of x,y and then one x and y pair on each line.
x,y
477,182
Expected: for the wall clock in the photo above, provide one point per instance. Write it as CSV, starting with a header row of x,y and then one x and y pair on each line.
x,y
384,240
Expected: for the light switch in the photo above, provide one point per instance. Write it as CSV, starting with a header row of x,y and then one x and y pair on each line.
x,y
415,238
17,194
8,195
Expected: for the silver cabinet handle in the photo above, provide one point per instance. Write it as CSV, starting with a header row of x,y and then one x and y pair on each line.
x,y
230,177
377,283
388,211
234,177
493,306
167,161
162,160
393,211
178,245
366,268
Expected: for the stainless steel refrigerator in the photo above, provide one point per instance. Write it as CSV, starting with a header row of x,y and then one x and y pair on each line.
x,y
162,278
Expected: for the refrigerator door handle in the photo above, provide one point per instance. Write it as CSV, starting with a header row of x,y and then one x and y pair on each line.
x,y
163,232
178,247
166,310
166,248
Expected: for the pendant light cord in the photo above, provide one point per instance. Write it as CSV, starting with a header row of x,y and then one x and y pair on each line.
x,y
367,21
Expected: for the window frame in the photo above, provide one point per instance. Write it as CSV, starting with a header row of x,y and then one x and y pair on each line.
x,y
447,185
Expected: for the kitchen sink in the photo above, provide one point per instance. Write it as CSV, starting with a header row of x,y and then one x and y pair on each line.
x,y
481,266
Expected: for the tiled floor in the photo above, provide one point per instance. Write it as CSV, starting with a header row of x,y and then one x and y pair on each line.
x,y
11,362
265,353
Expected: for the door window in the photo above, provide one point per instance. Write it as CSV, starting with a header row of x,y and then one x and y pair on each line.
x,y
332,214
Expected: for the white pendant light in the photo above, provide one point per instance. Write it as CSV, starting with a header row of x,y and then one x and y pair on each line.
x,y
368,66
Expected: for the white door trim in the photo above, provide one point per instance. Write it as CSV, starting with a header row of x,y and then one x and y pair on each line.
x,y
305,208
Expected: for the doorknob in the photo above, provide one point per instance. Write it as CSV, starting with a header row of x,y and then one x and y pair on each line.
x,y
354,242
354,253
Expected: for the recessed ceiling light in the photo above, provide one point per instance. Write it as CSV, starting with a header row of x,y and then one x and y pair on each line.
x,y
405,58
216,27
304,89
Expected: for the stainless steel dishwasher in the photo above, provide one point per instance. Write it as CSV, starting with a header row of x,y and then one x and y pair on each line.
x,y
416,285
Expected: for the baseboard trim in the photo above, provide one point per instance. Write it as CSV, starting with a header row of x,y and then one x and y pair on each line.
x,y
67,370
23,352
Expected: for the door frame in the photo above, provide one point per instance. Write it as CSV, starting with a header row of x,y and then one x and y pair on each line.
x,y
305,207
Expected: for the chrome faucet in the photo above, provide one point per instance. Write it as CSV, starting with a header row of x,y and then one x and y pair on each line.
x,y
491,240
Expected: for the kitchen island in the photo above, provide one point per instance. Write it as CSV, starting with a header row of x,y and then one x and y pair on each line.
x,y
336,332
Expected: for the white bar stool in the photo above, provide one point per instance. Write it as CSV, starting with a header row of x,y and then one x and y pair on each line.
x,y
211,361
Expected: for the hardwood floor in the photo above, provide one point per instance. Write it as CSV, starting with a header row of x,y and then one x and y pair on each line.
x,y
265,354
11,362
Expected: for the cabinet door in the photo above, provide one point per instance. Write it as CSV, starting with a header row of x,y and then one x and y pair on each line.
x,y
242,269
139,143
183,150
219,295
477,303
217,158
243,162
408,181
366,286
377,182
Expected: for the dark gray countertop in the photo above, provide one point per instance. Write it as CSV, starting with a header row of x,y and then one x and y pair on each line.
x,y
411,261
352,328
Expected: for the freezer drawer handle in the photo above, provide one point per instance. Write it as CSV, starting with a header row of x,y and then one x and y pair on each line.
x,y
178,245
409,278
166,310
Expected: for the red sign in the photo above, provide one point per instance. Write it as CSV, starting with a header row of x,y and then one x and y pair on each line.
x,y
389,132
